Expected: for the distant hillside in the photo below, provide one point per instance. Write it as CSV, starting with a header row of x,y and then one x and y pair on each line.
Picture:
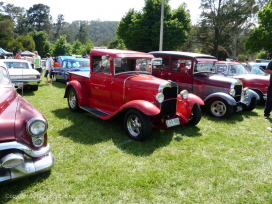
x,y
100,32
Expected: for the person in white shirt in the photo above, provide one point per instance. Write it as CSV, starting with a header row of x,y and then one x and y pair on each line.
x,y
49,68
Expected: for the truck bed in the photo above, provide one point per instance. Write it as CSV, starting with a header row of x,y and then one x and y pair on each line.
x,y
83,74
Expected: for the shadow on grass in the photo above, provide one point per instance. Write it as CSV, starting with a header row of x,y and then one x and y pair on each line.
x,y
89,129
235,118
13,190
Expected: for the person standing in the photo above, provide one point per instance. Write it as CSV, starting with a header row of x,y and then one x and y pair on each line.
x,y
49,67
37,62
18,54
268,103
248,66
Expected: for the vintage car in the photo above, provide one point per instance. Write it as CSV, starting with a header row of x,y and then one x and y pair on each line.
x,y
71,65
120,83
24,147
58,60
236,70
22,74
195,72
259,68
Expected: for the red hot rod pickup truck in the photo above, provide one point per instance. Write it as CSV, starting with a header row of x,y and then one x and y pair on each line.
x,y
195,72
120,82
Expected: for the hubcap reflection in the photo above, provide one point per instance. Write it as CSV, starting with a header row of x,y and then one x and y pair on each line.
x,y
72,99
134,125
218,108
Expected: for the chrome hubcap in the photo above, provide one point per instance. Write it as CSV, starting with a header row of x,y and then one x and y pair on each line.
x,y
134,125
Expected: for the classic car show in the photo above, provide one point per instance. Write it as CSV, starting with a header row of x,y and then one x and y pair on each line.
x,y
136,102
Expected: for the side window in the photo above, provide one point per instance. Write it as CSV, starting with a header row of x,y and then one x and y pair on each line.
x,y
69,65
181,65
175,65
101,64
64,64
161,63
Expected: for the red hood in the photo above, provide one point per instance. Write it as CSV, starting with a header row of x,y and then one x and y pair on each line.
x,y
8,107
15,112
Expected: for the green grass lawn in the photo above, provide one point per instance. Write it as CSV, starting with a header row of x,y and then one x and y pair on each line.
x,y
218,161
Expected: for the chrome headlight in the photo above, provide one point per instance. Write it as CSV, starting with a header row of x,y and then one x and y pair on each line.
x,y
232,92
160,97
184,94
36,126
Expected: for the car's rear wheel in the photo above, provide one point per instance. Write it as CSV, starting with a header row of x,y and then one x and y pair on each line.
x,y
195,115
219,108
137,124
34,87
72,100
54,78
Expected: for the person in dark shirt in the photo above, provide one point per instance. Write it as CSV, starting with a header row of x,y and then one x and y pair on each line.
x,y
268,103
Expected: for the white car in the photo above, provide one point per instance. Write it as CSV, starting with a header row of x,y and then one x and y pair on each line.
x,y
22,74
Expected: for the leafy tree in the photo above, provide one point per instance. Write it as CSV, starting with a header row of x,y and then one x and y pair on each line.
x,y
141,30
61,47
6,26
58,26
39,17
223,20
87,47
41,42
13,12
261,37
82,33
27,42
76,48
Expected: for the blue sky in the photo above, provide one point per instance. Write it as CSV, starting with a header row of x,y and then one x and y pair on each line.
x,y
112,10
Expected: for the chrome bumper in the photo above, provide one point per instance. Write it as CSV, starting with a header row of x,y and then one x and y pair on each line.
x,y
31,161
28,168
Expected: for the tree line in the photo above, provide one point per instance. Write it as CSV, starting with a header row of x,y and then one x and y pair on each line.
x,y
225,29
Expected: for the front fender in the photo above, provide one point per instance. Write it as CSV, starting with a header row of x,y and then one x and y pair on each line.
x,y
246,99
80,91
193,99
230,100
144,106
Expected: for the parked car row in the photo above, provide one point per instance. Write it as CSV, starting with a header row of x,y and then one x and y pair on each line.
x,y
160,89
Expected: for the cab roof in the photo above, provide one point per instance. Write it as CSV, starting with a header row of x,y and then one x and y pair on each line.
x,y
115,53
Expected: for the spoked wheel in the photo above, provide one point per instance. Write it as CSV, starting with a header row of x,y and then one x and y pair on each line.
x,y
72,99
137,124
195,115
219,108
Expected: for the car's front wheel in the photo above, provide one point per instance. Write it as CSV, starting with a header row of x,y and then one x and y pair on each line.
x,y
252,104
219,108
137,124
72,99
195,115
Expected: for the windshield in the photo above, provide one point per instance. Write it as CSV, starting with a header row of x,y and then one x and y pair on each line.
x,y
4,79
132,64
17,65
233,69
204,67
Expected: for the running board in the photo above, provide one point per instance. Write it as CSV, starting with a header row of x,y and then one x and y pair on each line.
x,y
94,111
